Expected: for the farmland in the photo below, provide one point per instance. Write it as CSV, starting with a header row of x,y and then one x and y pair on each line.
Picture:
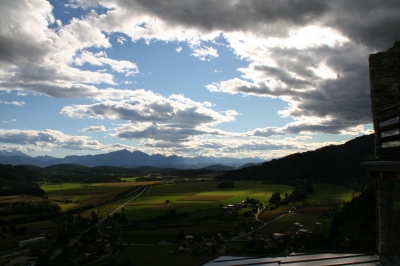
x,y
198,203
165,210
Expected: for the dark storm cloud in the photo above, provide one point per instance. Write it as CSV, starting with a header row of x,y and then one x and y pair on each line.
x,y
265,17
374,24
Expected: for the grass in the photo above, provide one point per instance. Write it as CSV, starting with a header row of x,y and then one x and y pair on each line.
x,y
269,214
10,243
202,201
105,209
18,198
205,198
312,209
46,224
69,206
129,179
80,198
145,255
286,221
327,191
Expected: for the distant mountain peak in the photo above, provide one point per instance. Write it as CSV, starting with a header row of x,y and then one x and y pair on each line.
x,y
12,153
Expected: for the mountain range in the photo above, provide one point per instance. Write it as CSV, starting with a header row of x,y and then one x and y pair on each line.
x,y
125,159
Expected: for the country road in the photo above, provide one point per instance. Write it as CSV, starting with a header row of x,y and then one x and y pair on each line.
x,y
75,240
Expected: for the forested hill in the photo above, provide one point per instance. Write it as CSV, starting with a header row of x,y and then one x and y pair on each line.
x,y
19,180
334,164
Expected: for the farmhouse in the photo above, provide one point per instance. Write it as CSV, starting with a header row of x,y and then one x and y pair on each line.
x,y
31,241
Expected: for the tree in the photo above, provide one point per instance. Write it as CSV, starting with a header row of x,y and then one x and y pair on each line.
x,y
275,198
94,217
166,201
181,235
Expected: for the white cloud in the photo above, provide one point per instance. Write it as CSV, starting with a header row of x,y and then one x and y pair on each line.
x,y
204,53
13,103
179,49
311,54
175,118
93,129
121,40
100,59
44,140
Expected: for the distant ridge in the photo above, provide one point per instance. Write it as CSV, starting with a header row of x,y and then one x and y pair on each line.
x,y
335,164
125,159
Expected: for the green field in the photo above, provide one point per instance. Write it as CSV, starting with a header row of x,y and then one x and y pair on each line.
x,y
327,191
286,221
197,208
203,199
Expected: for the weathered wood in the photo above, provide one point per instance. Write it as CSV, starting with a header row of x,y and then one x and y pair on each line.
x,y
385,100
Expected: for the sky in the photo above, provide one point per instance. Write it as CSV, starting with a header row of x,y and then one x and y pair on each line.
x,y
232,78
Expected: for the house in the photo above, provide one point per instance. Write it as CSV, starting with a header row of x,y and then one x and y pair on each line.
x,y
189,238
107,248
278,236
90,251
164,241
223,250
302,232
99,238
31,241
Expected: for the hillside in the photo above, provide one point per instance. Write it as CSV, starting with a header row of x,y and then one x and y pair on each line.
x,y
18,180
334,164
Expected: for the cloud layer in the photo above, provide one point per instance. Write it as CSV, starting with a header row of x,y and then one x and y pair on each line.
x,y
311,54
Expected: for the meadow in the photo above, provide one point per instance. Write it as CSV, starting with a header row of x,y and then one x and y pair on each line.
x,y
202,201
75,195
197,208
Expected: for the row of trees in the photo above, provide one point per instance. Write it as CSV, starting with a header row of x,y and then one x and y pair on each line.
x,y
29,207
299,192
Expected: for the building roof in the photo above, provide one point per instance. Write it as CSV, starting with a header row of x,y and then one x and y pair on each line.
x,y
328,258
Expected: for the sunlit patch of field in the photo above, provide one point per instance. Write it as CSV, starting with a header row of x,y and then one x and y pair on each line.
x,y
205,197
86,194
69,206
328,191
